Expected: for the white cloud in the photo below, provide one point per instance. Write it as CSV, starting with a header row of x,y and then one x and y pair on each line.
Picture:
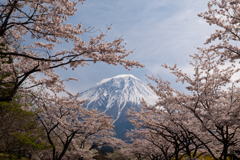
x,y
160,31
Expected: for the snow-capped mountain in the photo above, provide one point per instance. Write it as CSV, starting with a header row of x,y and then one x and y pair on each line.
x,y
117,94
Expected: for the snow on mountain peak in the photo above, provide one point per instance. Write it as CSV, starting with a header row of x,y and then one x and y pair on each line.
x,y
116,77
122,88
114,95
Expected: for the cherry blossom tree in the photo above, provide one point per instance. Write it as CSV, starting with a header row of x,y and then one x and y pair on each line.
x,y
225,15
46,22
166,129
208,111
71,130
147,145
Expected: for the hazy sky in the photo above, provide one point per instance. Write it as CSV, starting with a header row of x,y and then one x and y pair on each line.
x,y
159,31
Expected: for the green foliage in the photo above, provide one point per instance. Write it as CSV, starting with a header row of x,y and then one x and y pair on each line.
x,y
4,156
30,138
6,86
20,132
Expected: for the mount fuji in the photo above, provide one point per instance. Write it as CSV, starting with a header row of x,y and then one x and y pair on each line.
x,y
115,96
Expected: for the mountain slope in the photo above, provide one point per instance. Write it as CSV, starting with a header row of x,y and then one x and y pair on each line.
x,y
117,94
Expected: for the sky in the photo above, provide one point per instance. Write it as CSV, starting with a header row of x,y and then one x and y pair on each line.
x,y
159,31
